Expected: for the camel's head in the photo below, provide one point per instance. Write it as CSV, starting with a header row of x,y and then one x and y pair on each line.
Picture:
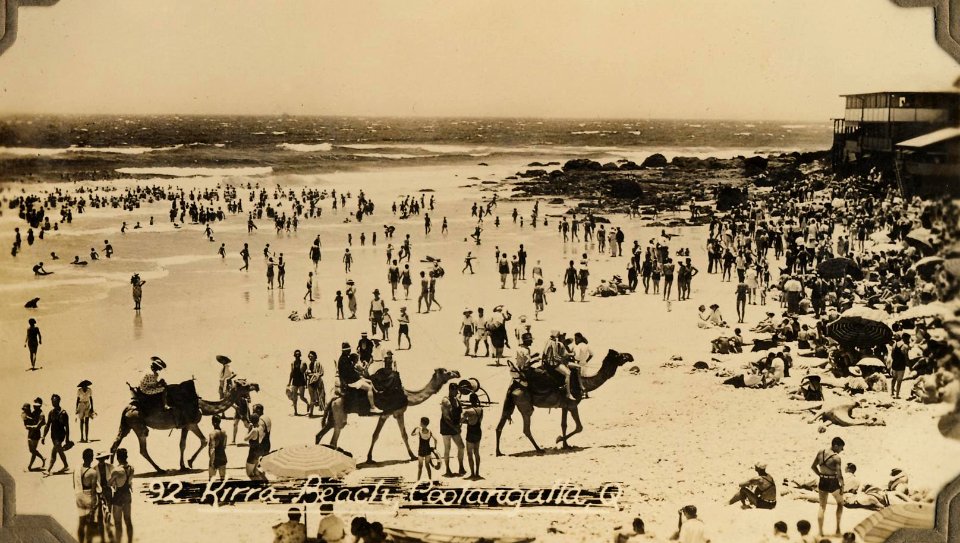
x,y
441,376
244,388
619,358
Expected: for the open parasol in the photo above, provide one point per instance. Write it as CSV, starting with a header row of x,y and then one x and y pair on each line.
x,y
835,268
878,527
927,264
859,332
952,265
871,362
921,239
301,461
933,309
867,313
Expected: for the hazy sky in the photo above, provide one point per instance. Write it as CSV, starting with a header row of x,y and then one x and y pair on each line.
x,y
732,59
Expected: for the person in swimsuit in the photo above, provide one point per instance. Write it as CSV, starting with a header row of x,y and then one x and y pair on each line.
x,y
58,426
85,484
218,450
120,479
428,442
404,329
85,410
33,342
254,450
473,415
760,491
827,465
297,382
315,384
33,420
450,419
137,285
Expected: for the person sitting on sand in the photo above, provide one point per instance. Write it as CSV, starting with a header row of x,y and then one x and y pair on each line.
x,y
638,532
78,262
38,270
759,491
810,389
855,384
728,344
711,317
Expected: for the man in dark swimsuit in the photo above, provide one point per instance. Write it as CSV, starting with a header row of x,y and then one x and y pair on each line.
x,y
58,426
828,467
120,479
760,491
450,412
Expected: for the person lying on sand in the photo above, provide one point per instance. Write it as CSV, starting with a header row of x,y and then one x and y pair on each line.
x,y
842,414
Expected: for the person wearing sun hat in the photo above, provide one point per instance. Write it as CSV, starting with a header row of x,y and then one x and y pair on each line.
x,y
226,375
151,383
84,409
759,492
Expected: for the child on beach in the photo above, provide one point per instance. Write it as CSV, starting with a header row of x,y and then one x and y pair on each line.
x,y
309,295
539,299
428,442
338,299
404,330
386,321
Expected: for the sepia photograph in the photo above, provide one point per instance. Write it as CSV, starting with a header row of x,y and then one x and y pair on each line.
x,y
480,272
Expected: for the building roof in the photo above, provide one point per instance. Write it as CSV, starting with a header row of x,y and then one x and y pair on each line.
x,y
953,92
933,138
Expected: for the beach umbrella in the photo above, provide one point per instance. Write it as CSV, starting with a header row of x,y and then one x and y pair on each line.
x,y
871,362
835,268
878,527
859,332
926,264
933,309
865,312
301,461
922,240
952,265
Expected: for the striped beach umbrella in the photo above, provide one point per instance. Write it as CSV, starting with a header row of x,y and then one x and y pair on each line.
x,y
301,461
881,525
859,332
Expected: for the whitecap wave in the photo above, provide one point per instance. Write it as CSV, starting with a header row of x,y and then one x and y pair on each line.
x,y
196,172
36,151
306,147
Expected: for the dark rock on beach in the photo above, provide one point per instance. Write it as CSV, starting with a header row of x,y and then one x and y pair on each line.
x,y
655,160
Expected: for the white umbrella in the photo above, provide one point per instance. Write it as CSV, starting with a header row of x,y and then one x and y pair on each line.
x,y
865,312
933,309
301,461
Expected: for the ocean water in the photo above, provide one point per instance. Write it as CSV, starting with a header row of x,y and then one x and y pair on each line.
x,y
295,143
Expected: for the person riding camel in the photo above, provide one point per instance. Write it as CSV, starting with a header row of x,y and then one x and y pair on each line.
x,y
524,359
349,370
226,376
151,383
555,355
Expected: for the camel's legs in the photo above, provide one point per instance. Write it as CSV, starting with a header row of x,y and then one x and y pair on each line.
x,y
403,433
526,412
195,428
575,413
142,438
376,434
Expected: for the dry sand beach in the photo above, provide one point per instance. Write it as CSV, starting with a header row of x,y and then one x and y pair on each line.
x,y
670,435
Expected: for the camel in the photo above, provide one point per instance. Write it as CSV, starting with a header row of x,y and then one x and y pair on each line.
x,y
132,419
335,415
526,401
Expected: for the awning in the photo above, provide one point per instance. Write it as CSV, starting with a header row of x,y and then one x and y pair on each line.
x,y
926,140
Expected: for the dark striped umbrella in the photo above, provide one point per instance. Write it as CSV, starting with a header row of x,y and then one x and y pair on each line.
x,y
878,527
835,268
859,332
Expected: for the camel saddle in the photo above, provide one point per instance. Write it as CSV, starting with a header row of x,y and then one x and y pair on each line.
x,y
388,394
543,380
180,399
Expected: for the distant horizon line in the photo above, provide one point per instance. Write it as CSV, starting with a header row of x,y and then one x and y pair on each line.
x,y
5,115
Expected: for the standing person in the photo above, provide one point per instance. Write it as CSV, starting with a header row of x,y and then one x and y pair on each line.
x,y
315,383
424,293
742,290
352,298
433,290
427,443
102,514
404,327
668,269
503,266
570,277
347,260
137,285
120,480
376,312
270,265
217,449
222,251
315,252
33,341
338,300
58,426
828,467
900,359
245,255
281,272
33,420
583,280
466,330
539,299
406,281
480,333
309,295
385,323
298,381
84,410
468,263
515,270
85,485
393,275
253,450
522,258
473,416
450,420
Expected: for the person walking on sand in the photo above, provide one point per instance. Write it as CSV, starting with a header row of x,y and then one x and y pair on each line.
x,y
33,341
309,295
315,252
468,263
583,280
297,383
347,260
352,298
828,467
245,255
667,270
315,384
376,312
570,280
742,292
386,322
480,333
406,281
432,286
466,330
503,266
222,251
450,420
393,276
424,293
33,421
58,427
403,322
84,409
539,299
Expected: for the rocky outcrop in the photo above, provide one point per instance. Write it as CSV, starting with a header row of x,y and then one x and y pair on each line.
x,y
655,160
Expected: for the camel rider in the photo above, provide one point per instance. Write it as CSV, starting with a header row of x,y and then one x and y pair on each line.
x,y
350,375
524,359
151,383
226,376
555,354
